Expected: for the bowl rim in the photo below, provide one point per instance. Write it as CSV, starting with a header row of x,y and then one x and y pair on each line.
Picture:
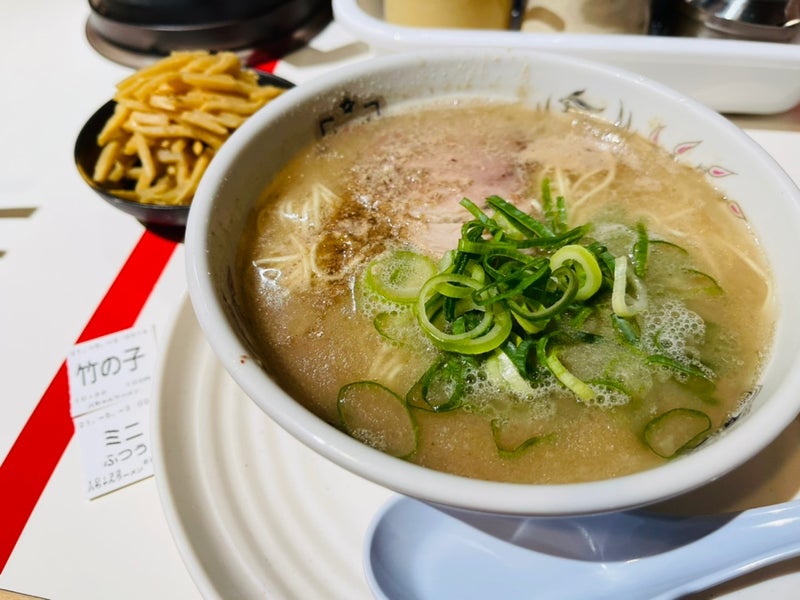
x,y
628,491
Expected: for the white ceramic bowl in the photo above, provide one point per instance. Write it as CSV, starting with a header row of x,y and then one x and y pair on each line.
x,y
737,165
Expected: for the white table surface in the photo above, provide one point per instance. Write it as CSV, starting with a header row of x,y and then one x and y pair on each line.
x,y
56,267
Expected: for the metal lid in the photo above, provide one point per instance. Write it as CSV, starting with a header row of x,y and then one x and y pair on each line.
x,y
157,27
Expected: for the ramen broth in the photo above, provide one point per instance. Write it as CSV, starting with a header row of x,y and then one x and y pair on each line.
x,y
394,184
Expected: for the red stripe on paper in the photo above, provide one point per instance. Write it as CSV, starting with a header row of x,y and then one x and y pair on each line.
x,y
45,436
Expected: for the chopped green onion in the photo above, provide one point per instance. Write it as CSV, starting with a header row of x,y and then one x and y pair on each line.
x,y
669,245
561,212
550,360
641,251
481,247
441,388
507,452
520,281
375,415
580,317
386,324
529,326
589,273
703,283
518,351
606,261
535,311
514,285
394,325
676,430
619,295
681,367
612,384
626,328
501,371
489,333
556,240
399,275
575,385
555,212
451,285
476,212
520,220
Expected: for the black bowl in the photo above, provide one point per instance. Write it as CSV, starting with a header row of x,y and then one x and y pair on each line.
x,y
152,215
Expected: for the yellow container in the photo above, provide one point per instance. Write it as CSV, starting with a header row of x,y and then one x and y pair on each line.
x,y
464,14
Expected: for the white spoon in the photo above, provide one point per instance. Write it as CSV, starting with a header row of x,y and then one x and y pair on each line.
x,y
416,551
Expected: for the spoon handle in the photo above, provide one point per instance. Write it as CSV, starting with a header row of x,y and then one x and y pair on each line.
x,y
751,540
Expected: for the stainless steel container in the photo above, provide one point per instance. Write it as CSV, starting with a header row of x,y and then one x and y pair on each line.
x,y
760,20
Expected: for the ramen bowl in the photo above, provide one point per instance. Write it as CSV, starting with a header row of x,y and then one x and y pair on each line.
x,y
753,185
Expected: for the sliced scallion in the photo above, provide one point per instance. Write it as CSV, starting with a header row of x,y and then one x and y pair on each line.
x,y
515,286
375,415
549,359
589,274
641,251
503,373
619,295
399,275
676,431
627,329
509,451
519,219
578,387
555,212
535,312
679,366
441,388
490,331
702,283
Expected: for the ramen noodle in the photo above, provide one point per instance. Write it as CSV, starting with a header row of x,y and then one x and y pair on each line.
x,y
170,119
539,297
